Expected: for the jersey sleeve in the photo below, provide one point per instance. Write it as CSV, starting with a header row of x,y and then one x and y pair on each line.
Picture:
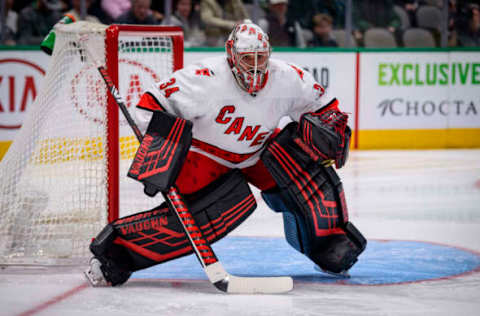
x,y
142,118
181,94
308,93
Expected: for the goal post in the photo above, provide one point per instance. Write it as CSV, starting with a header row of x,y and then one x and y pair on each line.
x,y
64,175
167,40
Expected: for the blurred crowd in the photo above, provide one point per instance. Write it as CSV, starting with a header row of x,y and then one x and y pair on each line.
x,y
293,23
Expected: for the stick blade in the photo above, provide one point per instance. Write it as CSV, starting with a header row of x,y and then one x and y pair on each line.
x,y
228,283
259,285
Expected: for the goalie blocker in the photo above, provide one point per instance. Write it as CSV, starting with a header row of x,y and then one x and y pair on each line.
x,y
162,152
310,195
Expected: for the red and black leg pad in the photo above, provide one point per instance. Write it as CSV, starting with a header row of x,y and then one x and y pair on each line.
x,y
148,238
312,201
162,152
326,132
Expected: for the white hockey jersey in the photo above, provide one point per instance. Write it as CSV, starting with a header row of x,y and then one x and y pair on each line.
x,y
230,125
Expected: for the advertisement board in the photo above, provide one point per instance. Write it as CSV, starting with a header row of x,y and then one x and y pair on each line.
x,y
21,77
404,99
417,100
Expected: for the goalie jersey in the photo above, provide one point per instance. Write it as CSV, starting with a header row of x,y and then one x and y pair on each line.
x,y
231,126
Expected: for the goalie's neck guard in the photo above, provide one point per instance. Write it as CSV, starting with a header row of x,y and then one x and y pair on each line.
x,y
248,52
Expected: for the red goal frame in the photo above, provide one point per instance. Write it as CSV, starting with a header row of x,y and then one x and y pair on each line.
x,y
112,146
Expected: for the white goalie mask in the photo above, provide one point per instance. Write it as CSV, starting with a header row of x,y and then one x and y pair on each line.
x,y
248,51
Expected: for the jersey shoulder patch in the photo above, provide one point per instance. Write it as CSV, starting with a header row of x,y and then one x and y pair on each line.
x,y
204,71
287,69
210,67
298,70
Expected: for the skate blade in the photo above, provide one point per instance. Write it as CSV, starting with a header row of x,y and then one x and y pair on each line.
x,y
343,274
95,282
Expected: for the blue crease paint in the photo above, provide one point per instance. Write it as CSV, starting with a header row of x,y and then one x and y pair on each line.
x,y
382,263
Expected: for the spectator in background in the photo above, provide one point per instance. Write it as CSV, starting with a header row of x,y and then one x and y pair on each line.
x,y
96,10
375,13
219,17
452,21
36,20
11,18
469,29
410,7
19,5
300,12
322,31
115,8
189,19
139,13
275,23
334,8
158,8
76,11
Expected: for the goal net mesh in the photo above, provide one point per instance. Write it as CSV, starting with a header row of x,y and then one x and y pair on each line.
x,y
55,180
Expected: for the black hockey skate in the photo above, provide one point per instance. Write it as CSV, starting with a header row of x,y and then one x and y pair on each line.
x,y
95,275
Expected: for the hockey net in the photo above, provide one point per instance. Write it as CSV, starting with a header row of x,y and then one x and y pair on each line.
x,y
64,176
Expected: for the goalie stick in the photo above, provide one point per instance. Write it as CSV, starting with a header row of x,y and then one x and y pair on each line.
x,y
214,270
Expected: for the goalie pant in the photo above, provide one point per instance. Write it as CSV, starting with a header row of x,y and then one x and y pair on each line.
x,y
148,238
311,199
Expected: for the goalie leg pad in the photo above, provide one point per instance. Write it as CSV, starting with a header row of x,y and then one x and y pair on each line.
x,y
148,238
312,200
341,251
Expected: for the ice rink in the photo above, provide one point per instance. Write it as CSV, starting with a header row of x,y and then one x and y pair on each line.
x,y
419,210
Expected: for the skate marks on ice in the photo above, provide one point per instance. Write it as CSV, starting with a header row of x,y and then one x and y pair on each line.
x,y
383,262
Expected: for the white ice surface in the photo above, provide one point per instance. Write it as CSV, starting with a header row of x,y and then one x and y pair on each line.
x,y
429,196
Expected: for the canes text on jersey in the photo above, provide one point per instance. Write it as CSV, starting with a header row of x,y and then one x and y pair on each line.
x,y
236,126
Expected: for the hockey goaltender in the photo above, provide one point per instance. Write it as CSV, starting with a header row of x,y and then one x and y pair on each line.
x,y
209,131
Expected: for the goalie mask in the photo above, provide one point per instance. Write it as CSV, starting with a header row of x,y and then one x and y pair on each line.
x,y
248,51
